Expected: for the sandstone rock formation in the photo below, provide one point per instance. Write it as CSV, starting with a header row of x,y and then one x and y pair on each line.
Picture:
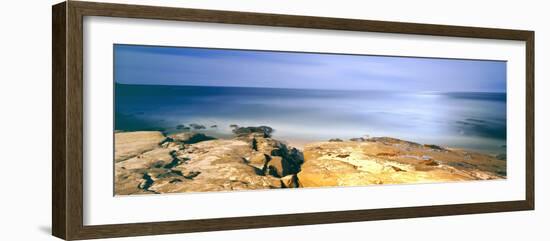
x,y
129,144
392,161
180,165
188,138
149,162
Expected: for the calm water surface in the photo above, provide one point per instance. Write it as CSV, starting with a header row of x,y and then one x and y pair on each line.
x,y
475,121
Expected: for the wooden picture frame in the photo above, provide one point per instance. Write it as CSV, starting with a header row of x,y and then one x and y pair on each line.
x,y
67,150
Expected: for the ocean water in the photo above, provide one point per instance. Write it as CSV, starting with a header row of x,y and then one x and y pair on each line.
x,y
473,121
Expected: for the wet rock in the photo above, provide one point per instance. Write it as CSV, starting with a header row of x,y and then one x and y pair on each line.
x,y
361,139
190,137
180,127
197,126
335,140
434,147
245,131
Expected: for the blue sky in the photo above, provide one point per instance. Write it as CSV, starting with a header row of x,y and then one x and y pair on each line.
x,y
154,65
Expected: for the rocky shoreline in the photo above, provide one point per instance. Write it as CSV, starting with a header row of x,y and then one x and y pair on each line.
x,y
150,162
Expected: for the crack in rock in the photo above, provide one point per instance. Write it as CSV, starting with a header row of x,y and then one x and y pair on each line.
x,y
146,183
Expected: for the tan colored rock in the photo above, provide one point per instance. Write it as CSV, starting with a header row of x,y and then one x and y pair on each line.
x,y
259,160
275,166
130,144
290,181
147,159
391,161
212,165
284,160
127,183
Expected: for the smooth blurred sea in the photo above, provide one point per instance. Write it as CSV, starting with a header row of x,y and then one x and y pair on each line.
x,y
471,120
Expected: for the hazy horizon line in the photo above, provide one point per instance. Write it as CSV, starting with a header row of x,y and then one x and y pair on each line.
x,y
256,87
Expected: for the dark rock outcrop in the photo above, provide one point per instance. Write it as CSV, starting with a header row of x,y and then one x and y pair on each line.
x,y
434,147
281,160
245,131
181,127
394,141
197,126
190,137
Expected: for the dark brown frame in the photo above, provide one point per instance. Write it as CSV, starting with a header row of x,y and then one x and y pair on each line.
x,y
67,138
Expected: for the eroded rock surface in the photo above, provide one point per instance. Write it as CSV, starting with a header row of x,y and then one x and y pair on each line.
x,y
188,138
247,162
149,162
129,144
392,161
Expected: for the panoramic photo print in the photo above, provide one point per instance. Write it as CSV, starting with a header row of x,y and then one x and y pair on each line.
x,y
201,119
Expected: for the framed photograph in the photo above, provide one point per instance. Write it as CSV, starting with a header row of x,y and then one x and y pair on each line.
x,y
171,120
